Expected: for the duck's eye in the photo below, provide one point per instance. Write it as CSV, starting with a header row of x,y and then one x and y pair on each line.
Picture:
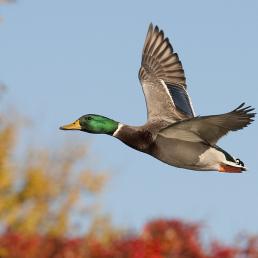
x,y
89,118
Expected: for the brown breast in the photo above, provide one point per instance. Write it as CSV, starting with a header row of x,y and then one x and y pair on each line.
x,y
141,138
135,137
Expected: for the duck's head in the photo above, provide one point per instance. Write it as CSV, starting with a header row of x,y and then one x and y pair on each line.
x,y
93,124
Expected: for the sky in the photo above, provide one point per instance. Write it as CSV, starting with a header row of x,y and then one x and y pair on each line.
x,y
64,59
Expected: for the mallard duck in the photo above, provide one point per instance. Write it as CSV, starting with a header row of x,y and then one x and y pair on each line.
x,y
172,133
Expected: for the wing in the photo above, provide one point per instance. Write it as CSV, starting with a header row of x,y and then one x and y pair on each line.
x,y
163,80
210,128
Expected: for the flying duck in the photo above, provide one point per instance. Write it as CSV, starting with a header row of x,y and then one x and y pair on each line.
x,y
173,133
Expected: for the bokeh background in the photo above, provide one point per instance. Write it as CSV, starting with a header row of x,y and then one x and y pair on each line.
x,y
62,59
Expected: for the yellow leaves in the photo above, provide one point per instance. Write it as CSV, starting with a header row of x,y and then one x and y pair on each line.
x,y
40,191
35,184
30,218
92,182
7,140
5,180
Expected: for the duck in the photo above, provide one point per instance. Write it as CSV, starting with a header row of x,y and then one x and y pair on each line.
x,y
173,133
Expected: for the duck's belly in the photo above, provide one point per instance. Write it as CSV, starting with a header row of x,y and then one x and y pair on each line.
x,y
185,154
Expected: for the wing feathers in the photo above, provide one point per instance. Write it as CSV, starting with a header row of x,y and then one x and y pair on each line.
x,y
164,85
158,59
212,128
181,99
161,67
236,119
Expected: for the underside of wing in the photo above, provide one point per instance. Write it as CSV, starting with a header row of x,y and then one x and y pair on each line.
x,y
211,128
163,79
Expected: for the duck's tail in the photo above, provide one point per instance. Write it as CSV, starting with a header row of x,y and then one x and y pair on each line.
x,y
230,164
232,167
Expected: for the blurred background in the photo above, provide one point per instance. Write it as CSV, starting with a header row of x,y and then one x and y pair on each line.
x,y
62,59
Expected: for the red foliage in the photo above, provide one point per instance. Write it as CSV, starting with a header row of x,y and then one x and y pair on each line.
x,y
159,239
15,245
219,251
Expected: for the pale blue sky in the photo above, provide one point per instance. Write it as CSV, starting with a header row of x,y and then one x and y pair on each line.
x,y
63,59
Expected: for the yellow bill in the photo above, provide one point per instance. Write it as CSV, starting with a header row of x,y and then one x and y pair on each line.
x,y
73,126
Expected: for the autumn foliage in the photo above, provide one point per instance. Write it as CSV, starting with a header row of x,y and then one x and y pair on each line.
x,y
159,239
40,189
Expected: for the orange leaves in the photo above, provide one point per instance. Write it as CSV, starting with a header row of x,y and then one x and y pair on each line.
x,y
36,246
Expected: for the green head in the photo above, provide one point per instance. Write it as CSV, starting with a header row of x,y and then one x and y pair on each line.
x,y
93,124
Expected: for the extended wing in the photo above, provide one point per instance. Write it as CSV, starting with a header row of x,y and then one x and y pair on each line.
x,y
210,128
163,80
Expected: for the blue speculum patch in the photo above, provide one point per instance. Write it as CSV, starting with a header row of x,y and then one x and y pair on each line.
x,y
180,99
